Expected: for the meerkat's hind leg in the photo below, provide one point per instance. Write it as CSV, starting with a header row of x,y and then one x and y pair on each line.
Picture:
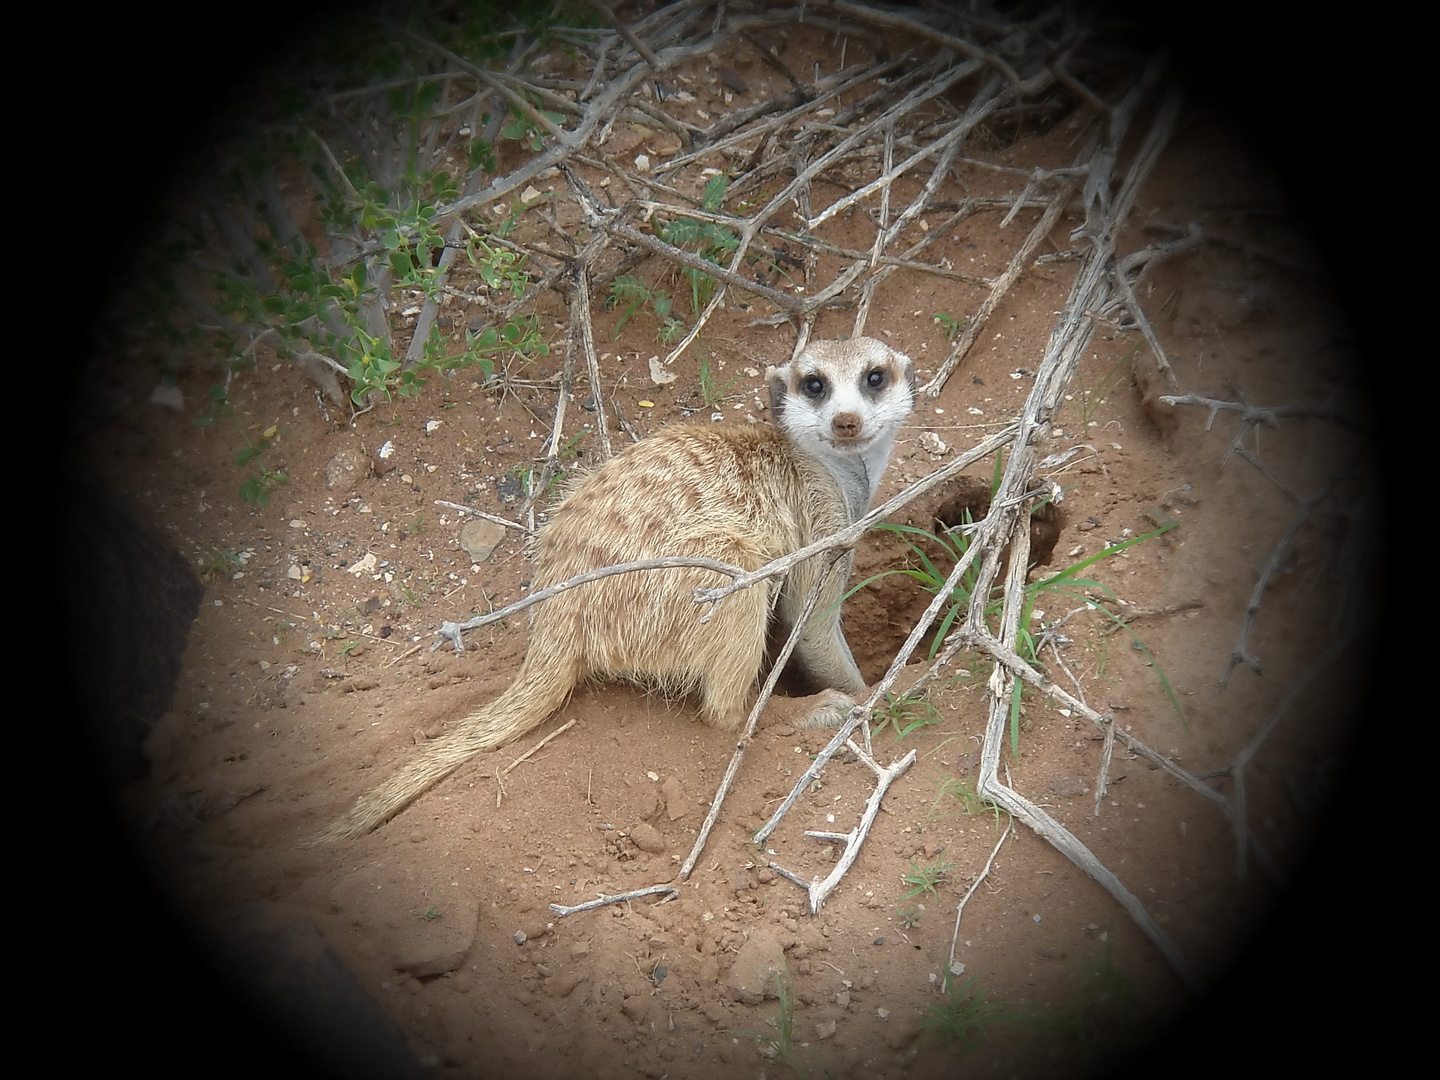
x,y
822,662
731,654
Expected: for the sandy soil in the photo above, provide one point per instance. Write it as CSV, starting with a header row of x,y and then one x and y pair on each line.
x,y
307,678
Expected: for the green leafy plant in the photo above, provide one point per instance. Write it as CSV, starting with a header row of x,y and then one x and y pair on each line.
x,y
633,293
951,325
776,1043
1092,399
904,714
710,240
966,1015
1105,1001
1068,582
258,486
523,128
498,266
925,879
216,564
952,544
963,792
526,475
519,337
430,914
570,448
711,392
372,144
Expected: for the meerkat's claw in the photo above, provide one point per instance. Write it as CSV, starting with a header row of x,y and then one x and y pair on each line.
x,y
831,710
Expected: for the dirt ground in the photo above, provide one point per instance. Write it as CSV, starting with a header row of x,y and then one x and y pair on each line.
x,y
307,676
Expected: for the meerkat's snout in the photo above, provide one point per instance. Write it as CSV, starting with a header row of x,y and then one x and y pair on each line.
x,y
847,427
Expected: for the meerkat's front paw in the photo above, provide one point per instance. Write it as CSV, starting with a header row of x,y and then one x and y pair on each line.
x,y
831,709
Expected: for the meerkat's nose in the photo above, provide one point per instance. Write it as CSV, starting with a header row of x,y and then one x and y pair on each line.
x,y
846,425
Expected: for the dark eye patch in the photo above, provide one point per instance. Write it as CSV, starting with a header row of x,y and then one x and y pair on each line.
x,y
813,386
877,379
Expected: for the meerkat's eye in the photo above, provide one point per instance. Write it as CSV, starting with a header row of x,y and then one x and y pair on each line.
x,y
876,379
813,386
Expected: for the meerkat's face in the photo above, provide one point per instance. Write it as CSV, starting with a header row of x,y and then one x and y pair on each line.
x,y
844,395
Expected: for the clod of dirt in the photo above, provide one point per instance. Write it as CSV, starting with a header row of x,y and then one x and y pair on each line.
x,y
1149,386
648,839
677,803
480,539
346,468
559,986
751,979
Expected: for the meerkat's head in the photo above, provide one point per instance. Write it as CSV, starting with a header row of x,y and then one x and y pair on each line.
x,y
841,398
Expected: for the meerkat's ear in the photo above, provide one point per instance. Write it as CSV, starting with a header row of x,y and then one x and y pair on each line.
x,y
778,387
908,366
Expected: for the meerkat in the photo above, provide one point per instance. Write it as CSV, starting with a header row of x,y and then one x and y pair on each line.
x,y
743,494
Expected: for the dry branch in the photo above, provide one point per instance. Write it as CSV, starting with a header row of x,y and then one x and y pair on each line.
x,y
539,745
950,971
1019,263
819,890
1067,342
450,631
461,508
846,537
778,666
616,898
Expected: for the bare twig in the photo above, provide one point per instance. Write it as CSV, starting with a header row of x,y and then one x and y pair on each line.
x,y
630,39
1019,263
617,898
585,335
1241,653
461,508
450,631
1238,768
950,971
1262,415
962,46
534,749
733,769
846,537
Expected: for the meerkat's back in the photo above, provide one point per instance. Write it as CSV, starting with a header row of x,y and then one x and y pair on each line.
x,y
737,493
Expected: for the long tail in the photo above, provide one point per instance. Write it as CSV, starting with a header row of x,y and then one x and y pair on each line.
x,y
539,689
